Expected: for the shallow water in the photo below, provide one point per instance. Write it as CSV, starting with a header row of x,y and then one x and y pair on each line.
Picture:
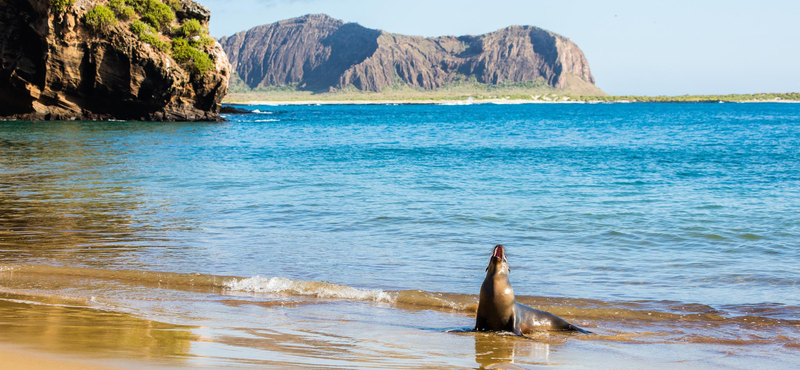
x,y
654,225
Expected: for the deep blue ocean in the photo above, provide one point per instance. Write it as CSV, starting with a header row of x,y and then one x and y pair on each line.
x,y
678,202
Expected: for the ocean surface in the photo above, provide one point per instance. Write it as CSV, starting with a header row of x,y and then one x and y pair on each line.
x,y
327,225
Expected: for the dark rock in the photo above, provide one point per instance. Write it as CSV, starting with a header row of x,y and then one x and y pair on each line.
x,y
54,67
234,110
319,53
192,10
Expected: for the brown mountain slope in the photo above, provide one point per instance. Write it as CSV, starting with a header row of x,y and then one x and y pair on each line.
x,y
319,53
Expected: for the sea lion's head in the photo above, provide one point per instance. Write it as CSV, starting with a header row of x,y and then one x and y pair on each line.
x,y
498,262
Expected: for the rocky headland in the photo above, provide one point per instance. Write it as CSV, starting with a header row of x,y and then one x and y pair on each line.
x,y
322,54
109,59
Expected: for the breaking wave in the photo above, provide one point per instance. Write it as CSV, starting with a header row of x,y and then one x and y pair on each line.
x,y
280,285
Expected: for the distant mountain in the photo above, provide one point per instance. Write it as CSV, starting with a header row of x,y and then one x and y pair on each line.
x,y
320,53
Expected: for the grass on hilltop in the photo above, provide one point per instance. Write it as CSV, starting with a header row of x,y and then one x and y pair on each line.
x,y
691,98
463,89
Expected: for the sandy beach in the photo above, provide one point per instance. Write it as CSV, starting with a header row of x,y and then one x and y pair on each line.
x,y
291,324
14,358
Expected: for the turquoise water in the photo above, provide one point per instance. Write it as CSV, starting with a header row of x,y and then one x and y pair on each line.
x,y
679,202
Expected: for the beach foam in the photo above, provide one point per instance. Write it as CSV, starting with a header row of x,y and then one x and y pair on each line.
x,y
280,285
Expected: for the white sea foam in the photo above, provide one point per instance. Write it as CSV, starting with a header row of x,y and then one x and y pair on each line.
x,y
258,284
469,101
266,120
36,303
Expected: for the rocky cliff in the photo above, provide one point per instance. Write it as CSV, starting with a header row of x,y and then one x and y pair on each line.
x,y
319,53
101,59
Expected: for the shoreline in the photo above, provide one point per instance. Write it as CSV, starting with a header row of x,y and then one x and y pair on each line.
x,y
472,102
229,331
23,358
397,102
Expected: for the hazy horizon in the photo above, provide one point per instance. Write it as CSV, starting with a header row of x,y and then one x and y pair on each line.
x,y
633,48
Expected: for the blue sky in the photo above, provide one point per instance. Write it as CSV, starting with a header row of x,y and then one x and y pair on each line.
x,y
634,47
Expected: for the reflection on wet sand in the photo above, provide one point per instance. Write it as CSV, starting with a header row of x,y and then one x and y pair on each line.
x,y
295,332
57,327
502,351
632,322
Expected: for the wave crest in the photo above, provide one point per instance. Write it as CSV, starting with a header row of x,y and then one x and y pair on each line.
x,y
279,285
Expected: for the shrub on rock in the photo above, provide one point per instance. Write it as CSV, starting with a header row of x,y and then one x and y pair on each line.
x,y
100,18
61,5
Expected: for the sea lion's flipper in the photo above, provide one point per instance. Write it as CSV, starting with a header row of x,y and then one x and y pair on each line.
x,y
517,321
580,330
533,316
479,323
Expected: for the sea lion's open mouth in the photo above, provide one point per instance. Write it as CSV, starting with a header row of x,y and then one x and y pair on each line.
x,y
498,256
499,252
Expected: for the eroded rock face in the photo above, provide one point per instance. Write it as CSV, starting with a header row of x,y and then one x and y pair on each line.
x,y
319,53
53,66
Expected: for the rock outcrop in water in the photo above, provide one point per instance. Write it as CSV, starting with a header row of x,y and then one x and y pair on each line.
x,y
319,53
54,64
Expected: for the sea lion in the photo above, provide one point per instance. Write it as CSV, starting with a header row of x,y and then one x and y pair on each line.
x,y
498,310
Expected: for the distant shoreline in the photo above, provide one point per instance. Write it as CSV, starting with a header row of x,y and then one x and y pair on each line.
x,y
473,102
393,102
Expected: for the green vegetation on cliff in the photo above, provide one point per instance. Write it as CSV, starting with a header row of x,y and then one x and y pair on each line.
x,y
186,54
154,23
174,4
100,18
123,11
196,34
61,5
154,12
189,28
149,36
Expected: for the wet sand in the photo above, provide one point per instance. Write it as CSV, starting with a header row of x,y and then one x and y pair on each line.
x,y
154,319
14,358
